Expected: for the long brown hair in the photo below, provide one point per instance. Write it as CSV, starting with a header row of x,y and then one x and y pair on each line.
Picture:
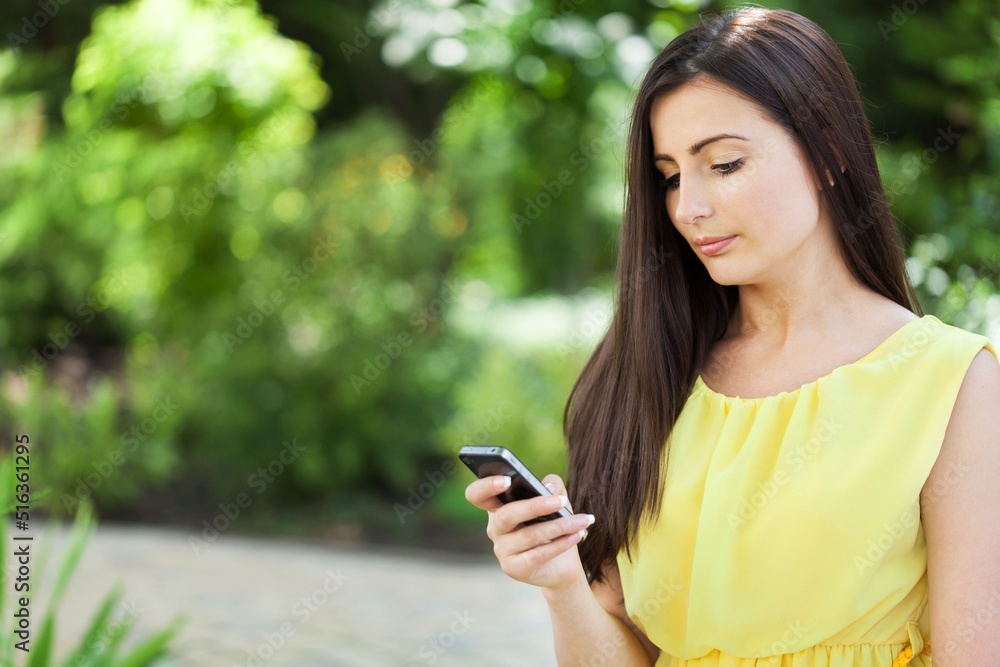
x,y
668,311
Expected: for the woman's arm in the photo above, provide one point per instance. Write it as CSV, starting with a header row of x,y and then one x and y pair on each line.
x,y
590,626
545,555
960,510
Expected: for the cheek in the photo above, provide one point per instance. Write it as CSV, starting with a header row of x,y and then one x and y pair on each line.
x,y
779,196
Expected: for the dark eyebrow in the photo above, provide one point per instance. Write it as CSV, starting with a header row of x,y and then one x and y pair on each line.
x,y
698,146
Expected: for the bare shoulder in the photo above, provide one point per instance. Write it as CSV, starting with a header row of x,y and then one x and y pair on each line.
x,y
978,396
971,438
610,595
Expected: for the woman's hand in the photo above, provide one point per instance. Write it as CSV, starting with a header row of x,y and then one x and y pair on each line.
x,y
542,554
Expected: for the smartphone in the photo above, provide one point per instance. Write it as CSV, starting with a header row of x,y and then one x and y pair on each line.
x,y
487,461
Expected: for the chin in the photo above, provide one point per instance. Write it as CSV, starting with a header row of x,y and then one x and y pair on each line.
x,y
728,277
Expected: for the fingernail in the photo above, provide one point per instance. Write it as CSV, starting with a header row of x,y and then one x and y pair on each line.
x,y
502,483
550,486
590,519
556,502
583,534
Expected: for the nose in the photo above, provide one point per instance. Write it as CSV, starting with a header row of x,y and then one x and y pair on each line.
x,y
690,202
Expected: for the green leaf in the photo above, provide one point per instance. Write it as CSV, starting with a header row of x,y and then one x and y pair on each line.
x,y
152,648
39,654
87,650
106,658
82,526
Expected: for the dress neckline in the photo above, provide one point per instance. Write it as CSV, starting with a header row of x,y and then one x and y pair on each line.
x,y
700,383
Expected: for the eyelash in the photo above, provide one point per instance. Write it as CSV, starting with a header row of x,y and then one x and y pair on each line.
x,y
667,184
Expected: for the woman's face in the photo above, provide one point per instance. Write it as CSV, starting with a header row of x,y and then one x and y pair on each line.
x,y
758,188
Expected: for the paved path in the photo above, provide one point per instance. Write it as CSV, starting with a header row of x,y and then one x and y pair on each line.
x,y
260,602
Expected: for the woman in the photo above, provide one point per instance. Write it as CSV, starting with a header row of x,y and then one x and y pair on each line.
x,y
787,465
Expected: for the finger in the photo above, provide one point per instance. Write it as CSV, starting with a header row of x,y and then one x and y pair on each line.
x,y
554,484
537,534
529,561
483,492
511,515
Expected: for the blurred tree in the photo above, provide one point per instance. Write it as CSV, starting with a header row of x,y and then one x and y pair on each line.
x,y
226,227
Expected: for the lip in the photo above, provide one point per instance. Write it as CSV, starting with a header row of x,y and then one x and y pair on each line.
x,y
711,245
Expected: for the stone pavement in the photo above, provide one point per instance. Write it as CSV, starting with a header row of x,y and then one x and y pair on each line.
x,y
256,602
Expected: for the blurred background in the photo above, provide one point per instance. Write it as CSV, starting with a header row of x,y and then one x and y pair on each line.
x,y
265,266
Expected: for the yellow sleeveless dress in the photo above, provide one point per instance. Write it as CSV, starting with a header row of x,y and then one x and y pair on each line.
x,y
790,532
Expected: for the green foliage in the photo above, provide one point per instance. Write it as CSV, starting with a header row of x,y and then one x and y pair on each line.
x,y
130,228
222,231
99,647
270,289
92,445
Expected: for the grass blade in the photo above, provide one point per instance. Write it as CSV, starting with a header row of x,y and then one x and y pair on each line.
x,y
39,655
85,653
152,648
79,534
